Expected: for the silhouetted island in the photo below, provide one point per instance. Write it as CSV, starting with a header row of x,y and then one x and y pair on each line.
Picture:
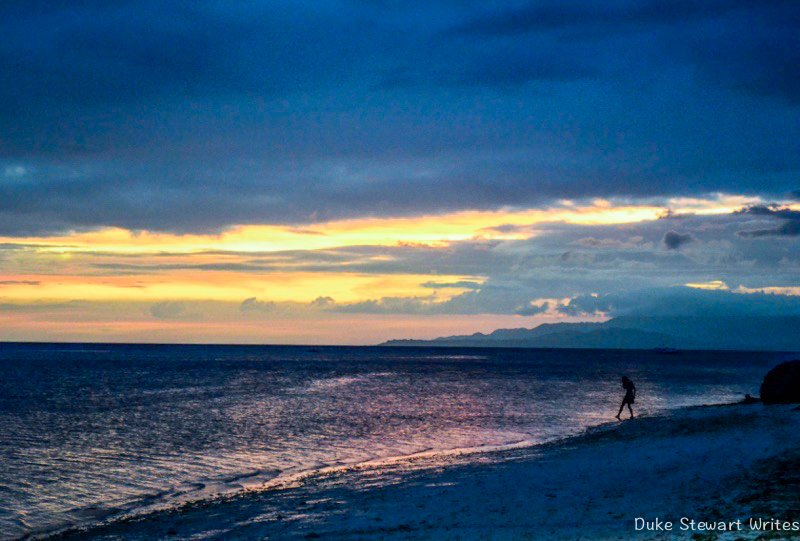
x,y
634,332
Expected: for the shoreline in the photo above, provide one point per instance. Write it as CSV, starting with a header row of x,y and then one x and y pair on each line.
x,y
585,486
414,462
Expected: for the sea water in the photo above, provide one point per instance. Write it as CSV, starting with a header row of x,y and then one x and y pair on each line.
x,y
89,431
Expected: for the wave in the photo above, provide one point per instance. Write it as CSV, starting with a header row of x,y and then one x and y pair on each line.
x,y
323,384
208,493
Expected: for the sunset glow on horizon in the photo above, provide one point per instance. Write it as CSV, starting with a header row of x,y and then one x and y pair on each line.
x,y
289,164
178,285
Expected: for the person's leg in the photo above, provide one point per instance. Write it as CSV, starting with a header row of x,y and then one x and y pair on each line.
x,y
630,409
621,406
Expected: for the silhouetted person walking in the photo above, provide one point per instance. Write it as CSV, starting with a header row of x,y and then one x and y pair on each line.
x,y
630,395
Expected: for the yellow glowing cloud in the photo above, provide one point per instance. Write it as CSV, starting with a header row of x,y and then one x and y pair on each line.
x,y
429,229
56,268
721,204
713,285
719,285
792,291
228,286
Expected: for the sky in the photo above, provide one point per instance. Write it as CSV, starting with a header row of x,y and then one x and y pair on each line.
x,y
346,172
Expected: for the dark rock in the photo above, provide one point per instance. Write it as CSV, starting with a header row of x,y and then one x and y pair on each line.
x,y
782,384
313,535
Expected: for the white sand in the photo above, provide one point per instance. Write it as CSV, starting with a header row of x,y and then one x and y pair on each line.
x,y
698,463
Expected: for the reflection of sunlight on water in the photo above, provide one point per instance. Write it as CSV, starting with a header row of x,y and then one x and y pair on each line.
x,y
330,383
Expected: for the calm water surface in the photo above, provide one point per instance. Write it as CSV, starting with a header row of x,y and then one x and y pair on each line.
x,y
88,430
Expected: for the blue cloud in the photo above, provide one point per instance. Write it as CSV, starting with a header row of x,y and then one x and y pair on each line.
x,y
195,116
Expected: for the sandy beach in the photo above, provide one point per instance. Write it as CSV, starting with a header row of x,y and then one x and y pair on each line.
x,y
706,464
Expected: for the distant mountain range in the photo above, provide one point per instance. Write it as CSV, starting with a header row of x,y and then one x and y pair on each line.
x,y
780,333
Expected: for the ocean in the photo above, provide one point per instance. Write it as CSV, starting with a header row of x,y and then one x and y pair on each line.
x,y
89,431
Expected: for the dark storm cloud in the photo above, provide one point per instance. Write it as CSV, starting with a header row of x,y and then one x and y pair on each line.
x,y
674,240
195,116
790,226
